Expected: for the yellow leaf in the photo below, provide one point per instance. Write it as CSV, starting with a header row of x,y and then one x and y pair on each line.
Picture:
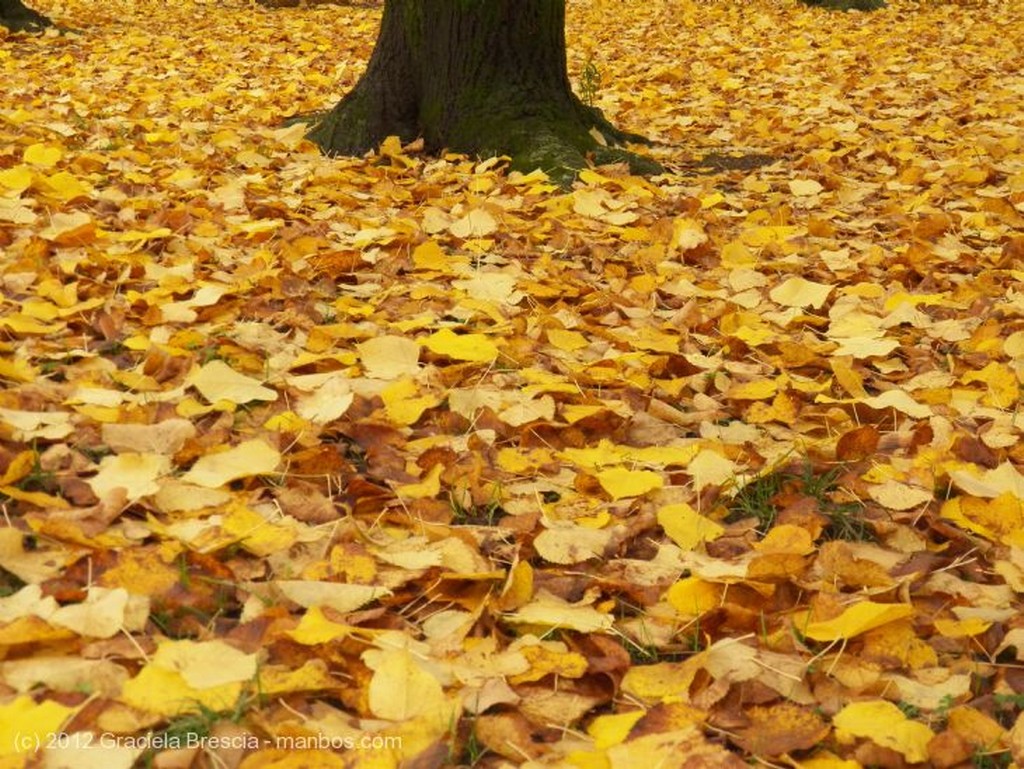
x,y
662,680
996,519
428,488
18,178
329,401
786,539
104,613
64,186
518,588
545,661
254,533
963,628
798,292
242,461
692,596
885,724
1003,389
25,725
389,357
468,347
141,236
217,381
161,690
686,527
621,483
282,679
206,664
401,688
805,187
709,468
478,223
549,611
894,495
314,628
855,620
826,760
753,391
613,729
571,544
401,405
687,234
18,370
341,597
70,229
42,155
136,473
20,466
1004,479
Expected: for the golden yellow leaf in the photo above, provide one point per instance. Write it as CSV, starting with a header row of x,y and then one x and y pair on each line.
x,y
476,348
545,660
314,628
64,187
786,539
478,223
662,680
26,726
613,729
754,391
401,688
42,155
885,724
621,483
18,178
1002,387
427,488
686,527
692,596
856,619
963,628
242,461
799,292
161,690
569,341
389,356
550,611
217,381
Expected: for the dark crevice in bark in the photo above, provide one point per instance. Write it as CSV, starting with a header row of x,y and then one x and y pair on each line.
x,y
18,17
485,77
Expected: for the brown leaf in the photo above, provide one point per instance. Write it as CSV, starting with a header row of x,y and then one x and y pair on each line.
x,y
857,444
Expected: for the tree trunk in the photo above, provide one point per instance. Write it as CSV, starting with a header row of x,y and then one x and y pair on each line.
x,y
479,76
17,17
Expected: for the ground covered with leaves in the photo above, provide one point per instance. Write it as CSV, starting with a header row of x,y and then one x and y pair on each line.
x,y
410,461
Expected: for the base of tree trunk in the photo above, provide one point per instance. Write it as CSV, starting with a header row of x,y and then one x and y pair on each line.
x,y
846,5
484,78
559,143
18,17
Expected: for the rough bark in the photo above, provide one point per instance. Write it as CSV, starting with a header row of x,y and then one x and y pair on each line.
x,y
18,17
487,77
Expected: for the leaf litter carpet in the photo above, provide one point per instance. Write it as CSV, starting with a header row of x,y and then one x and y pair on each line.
x,y
411,461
